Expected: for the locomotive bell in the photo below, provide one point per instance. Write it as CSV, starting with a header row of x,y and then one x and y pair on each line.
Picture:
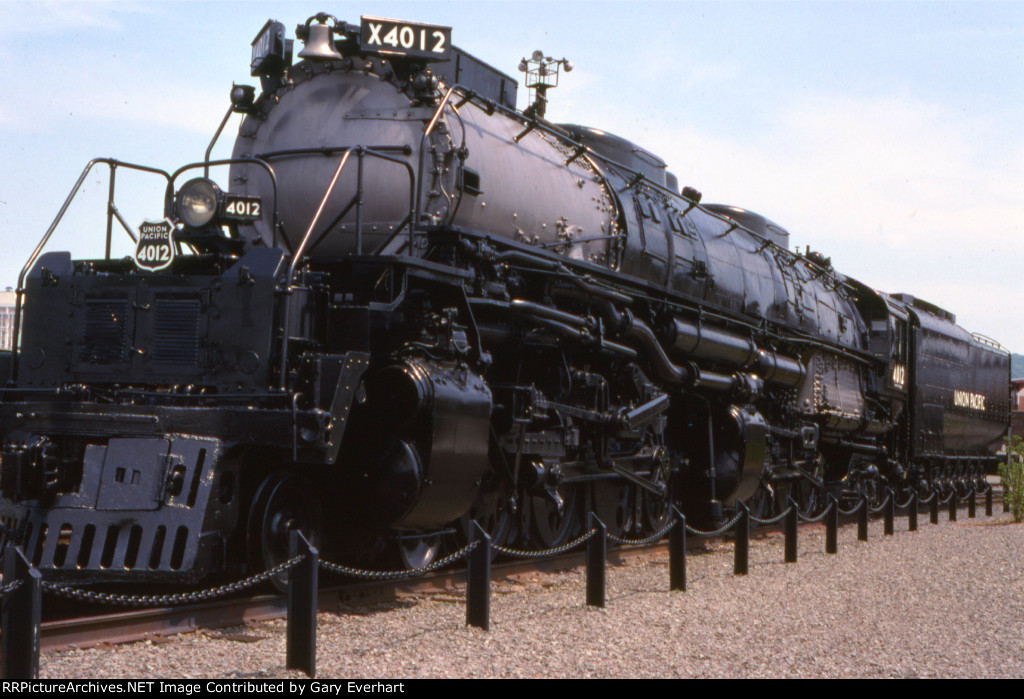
x,y
320,44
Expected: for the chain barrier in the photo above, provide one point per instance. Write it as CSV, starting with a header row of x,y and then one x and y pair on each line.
x,y
718,532
970,494
812,520
180,598
881,507
855,510
774,520
9,588
70,592
564,548
906,504
399,574
641,542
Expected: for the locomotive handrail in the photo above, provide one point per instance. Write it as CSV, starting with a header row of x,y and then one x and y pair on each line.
x,y
361,152
216,136
111,212
316,217
986,340
437,113
328,150
381,152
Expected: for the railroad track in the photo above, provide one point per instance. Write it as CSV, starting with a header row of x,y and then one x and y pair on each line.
x,y
138,625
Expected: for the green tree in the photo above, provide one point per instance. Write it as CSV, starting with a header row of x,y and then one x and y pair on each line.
x,y
1011,472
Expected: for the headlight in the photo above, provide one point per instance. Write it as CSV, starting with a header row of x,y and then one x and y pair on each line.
x,y
197,202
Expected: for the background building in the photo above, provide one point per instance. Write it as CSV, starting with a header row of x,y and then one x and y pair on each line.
x,y
1017,407
6,318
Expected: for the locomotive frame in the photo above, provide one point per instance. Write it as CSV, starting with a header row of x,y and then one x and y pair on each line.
x,y
415,306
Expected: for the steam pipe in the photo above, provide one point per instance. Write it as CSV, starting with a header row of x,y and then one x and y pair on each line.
x,y
702,342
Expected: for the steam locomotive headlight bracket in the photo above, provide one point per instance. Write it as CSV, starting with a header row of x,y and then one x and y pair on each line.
x,y
200,203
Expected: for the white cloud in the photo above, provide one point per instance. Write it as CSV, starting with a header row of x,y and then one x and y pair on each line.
x,y
906,195
108,87
60,17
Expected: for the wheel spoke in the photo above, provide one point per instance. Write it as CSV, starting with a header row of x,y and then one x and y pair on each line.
x,y
551,527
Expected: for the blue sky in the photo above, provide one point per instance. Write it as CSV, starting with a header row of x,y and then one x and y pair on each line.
x,y
890,136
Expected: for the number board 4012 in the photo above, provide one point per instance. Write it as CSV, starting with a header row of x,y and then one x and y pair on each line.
x,y
392,36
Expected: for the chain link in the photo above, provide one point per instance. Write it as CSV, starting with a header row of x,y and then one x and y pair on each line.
x,y
74,593
855,510
717,532
879,509
774,520
811,520
9,588
906,504
564,548
649,540
399,574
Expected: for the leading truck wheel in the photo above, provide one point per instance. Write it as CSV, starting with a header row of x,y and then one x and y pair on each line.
x,y
283,502
418,551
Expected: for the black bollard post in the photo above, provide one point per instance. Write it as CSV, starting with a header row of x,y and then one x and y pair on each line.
x,y
790,526
597,549
988,501
952,505
890,511
741,563
478,579
677,553
302,599
933,507
972,504
22,613
862,519
912,512
832,526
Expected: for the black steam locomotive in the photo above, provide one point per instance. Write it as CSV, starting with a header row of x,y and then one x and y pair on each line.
x,y
408,305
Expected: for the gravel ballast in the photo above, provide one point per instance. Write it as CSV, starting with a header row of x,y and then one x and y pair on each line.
x,y
944,601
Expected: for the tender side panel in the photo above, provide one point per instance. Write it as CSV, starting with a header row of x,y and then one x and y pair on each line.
x,y
962,389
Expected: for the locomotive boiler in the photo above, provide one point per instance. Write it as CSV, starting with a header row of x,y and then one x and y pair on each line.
x,y
405,305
